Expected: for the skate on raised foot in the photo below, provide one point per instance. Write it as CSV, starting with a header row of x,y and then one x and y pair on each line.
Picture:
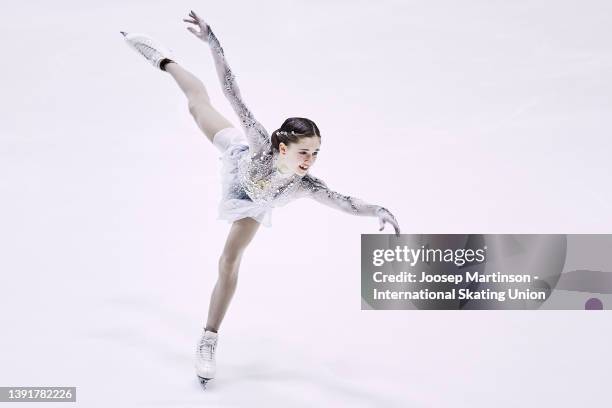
x,y
147,47
205,361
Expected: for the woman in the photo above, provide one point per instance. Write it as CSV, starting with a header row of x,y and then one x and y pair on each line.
x,y
259,172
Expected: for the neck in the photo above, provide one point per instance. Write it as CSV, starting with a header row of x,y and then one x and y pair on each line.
x,y
279,164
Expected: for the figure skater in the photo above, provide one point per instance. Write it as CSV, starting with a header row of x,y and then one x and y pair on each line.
x,y
259,172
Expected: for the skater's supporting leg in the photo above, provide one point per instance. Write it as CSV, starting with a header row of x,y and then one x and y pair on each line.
x,y
240,235
206,116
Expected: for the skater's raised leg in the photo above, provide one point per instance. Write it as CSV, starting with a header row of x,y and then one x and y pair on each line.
x,y
206,116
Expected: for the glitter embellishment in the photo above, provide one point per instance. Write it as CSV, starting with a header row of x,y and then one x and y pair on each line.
x,y
257,176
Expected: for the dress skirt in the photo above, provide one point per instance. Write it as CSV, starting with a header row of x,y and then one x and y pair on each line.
x,y
235,203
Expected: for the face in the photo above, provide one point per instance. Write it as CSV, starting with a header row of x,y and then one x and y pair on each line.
x,y
299,157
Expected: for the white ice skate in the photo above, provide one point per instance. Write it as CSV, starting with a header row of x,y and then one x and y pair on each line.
x,y
205,363
147,47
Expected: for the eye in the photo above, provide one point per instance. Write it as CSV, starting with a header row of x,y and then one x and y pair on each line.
x,y
302,153
315,153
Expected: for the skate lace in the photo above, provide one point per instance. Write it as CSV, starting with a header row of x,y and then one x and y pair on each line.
x,y
206,349
145,49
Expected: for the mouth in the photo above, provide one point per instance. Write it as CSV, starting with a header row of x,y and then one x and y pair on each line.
x,y
303,168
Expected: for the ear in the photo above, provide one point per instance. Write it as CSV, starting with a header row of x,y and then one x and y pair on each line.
x,y
282,148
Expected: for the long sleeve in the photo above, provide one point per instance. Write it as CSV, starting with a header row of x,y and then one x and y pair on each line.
x,y
256,134
317,190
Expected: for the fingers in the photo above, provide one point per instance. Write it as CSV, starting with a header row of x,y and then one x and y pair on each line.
x,y
395,225
391,220
197,18
192,30
385,216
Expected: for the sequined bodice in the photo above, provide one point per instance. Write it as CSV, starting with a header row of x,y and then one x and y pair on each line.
x,y
258,176
263,182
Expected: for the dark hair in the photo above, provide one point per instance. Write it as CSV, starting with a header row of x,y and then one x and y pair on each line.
x,y
292,130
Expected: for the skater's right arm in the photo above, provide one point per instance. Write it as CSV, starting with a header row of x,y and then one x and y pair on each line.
x,y
256,134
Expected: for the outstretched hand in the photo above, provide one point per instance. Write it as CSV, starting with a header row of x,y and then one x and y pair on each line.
x,y
385,216
202,30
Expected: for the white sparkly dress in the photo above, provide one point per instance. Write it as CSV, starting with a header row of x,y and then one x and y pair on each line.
x,y
251,183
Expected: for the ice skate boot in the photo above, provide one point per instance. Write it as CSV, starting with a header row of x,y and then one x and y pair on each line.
x,y
153,52
205,363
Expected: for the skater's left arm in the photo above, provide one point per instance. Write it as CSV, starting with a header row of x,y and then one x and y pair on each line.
x,y
256,134
316,189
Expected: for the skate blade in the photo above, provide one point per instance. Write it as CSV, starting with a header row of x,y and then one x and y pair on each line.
x,y
203,381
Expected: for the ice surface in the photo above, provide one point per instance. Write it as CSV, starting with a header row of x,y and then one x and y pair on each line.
x,y
480,116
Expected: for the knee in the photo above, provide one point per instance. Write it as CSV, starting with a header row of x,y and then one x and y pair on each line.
x,y
229,263
197,103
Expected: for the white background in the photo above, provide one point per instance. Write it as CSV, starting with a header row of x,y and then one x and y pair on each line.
x,y
460,117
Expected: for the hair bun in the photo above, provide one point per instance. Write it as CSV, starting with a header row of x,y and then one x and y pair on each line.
x,y
296,128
